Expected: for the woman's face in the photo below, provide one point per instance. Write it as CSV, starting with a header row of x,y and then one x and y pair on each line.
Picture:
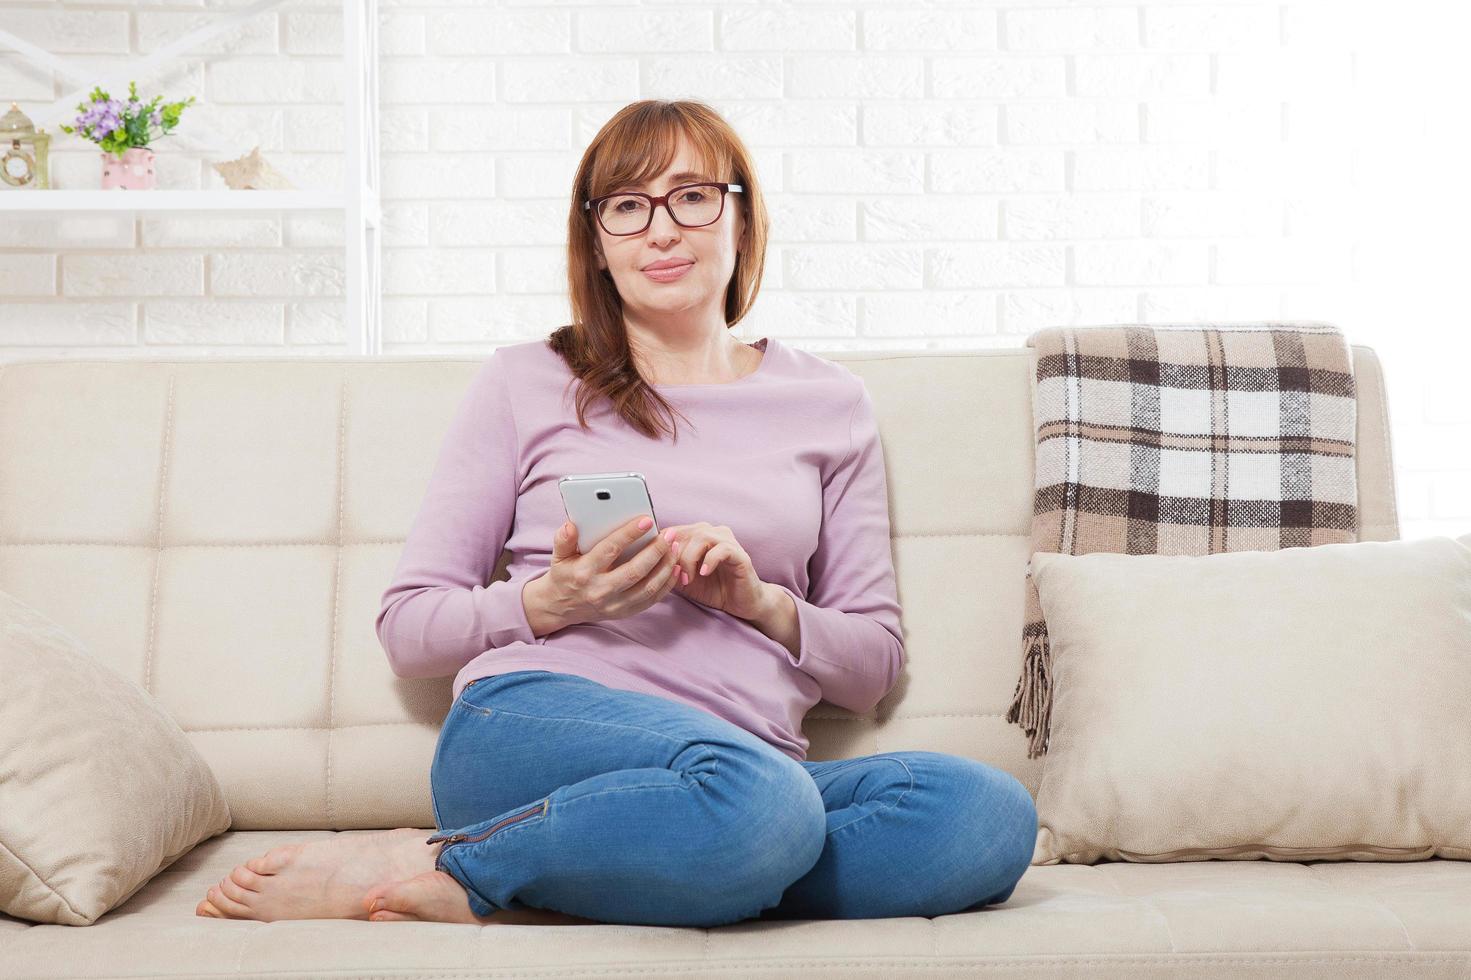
x,y
709,250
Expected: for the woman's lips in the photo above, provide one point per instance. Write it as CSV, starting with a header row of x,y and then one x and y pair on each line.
x,y
670,274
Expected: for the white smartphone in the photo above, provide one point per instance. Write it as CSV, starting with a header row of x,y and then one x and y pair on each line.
x,y
600,503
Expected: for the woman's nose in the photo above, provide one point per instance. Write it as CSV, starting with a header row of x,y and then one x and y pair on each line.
x,y
663,226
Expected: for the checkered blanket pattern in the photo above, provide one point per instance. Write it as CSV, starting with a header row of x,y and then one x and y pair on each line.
x,y
1183,441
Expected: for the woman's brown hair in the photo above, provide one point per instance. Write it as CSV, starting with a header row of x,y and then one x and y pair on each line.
x,y
637,144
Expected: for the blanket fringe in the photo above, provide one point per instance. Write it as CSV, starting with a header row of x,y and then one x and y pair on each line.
x,y
1032,702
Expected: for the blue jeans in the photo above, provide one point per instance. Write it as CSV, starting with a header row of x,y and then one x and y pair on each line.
x,y
553,791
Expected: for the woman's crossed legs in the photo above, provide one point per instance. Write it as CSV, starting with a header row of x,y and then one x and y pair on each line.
x,y
556,792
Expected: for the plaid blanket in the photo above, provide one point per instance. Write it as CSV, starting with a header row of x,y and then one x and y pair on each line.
x,y
1183,441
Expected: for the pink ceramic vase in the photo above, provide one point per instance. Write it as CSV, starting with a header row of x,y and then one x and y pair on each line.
x,y
134,172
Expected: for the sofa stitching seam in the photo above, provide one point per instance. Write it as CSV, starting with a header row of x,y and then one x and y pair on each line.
x,y
342,403
163,482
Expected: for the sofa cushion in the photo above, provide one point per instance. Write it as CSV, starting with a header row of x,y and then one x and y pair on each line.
x,y
1212,920
239,588
99,787
1301,704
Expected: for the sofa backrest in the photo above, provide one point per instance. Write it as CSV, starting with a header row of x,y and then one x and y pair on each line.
x,y
221,532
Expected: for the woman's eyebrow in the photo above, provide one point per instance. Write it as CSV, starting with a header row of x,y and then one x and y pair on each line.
x,y
674,178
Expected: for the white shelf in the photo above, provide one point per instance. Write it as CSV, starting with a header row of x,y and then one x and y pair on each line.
x,y
359,208
56,201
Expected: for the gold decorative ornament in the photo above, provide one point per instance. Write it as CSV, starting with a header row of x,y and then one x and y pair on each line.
x,y
23,164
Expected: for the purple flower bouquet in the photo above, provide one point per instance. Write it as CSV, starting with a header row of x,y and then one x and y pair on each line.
x,y
118,126
124,130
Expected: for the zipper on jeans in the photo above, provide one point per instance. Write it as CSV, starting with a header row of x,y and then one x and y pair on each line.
x,y
540,808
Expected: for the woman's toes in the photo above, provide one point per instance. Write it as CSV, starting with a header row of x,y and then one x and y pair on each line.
x,y
246,878
207,910
235,892
231,908
385,915
371,900
389,897
273,860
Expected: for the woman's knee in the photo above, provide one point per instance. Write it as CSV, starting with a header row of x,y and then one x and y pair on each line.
x,y
777,832
1006,817
991,821
768,829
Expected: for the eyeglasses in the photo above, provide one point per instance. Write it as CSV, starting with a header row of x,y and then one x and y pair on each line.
x,y
690,205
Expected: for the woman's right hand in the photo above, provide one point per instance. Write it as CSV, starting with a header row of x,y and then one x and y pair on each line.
x,y
586,588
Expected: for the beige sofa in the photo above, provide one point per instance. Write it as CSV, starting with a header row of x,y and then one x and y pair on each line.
x,y
222,531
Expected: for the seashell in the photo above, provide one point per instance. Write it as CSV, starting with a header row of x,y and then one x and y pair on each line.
x,y
251,172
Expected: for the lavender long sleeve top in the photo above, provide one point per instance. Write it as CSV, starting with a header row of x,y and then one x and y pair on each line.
x,y
788,457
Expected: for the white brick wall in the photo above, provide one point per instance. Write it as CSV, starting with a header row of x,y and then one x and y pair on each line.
x,y
946,174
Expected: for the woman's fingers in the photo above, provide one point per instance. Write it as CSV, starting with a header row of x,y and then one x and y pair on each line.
x,y
700,558
695,554
713,557
689,558
671,574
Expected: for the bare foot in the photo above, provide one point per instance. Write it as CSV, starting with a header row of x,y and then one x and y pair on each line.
x,y
325,879
430,896
433,896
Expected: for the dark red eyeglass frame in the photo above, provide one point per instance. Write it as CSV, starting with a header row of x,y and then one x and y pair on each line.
x,y
654,202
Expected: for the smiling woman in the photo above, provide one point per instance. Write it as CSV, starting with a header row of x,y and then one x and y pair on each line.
x,y
666,245
625,740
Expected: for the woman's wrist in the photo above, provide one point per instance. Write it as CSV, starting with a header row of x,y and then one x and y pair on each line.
x,y
539,615
778,619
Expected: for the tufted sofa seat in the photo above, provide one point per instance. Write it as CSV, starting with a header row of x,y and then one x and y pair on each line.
x,y
222,530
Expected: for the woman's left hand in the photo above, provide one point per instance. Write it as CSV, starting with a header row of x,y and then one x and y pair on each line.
x,y
730,583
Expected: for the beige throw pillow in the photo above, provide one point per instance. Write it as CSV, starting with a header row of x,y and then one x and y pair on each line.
x,y
1302,704
99,788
